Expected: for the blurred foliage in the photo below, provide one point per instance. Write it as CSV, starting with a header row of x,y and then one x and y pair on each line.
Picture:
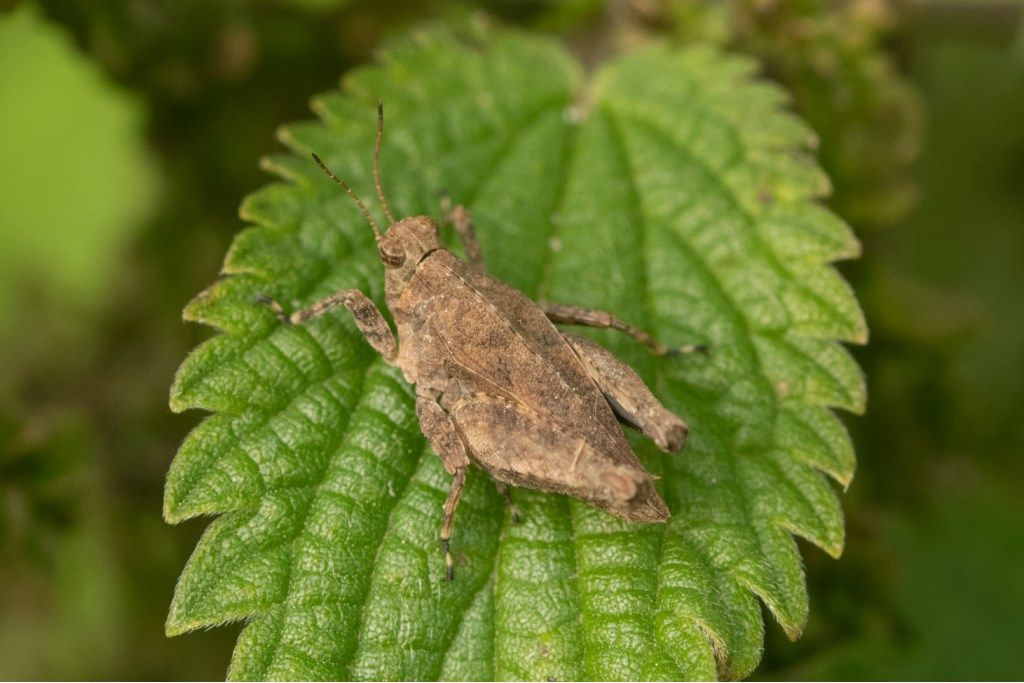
x,y
944,434
926,582
957,591
949,574
43,476
831,57
943,281
55,548
53,155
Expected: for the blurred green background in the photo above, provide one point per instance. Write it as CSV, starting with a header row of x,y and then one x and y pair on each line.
x,y
130,131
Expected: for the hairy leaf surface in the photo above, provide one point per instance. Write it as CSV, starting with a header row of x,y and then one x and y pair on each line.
x,y
671,188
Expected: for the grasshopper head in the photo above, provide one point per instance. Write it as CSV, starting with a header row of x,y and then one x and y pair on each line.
x,y
408,241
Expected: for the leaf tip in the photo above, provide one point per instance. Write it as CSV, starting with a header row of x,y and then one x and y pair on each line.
x,y
176,624
793,631
835,550
171,512
283,134
861,337
843,477
177,400
176,404
192,313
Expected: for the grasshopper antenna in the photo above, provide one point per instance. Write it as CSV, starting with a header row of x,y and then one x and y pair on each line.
x,y
352,194
376,163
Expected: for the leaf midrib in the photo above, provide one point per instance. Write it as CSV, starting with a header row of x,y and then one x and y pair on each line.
x,y
515,136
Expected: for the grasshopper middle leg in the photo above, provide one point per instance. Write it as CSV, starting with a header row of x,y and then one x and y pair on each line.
x,y
368,319
574,315
503,491
449,519
437,426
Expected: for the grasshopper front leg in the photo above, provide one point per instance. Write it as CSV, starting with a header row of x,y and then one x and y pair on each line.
x,y
368,319
628,396
447,443
589,317
459,217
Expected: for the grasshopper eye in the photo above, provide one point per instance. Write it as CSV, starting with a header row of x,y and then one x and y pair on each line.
x,y
391,253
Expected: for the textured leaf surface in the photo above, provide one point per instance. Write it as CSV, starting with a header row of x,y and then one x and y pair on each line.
x,y
671,188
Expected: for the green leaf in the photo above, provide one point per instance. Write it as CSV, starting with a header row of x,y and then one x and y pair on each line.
x,y
672,189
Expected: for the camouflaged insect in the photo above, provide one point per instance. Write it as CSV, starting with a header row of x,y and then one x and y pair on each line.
x,y
497,385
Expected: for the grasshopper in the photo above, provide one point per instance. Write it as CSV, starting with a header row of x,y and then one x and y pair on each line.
x,y
497,385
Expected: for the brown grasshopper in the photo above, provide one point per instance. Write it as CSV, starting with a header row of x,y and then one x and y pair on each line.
x,y
497,385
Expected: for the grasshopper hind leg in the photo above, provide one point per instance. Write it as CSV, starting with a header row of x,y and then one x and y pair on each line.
x,y
630,399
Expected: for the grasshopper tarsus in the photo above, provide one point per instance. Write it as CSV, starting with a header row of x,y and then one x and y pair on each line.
x,y
673,351
449,563
275,308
